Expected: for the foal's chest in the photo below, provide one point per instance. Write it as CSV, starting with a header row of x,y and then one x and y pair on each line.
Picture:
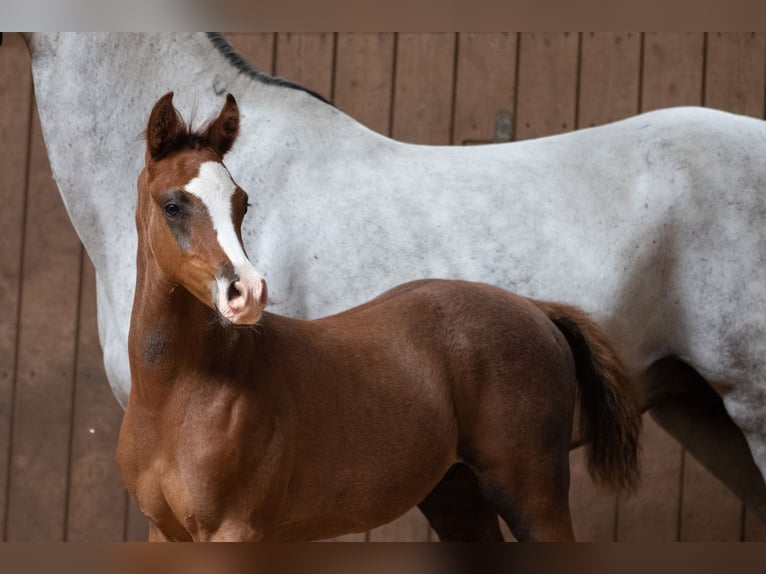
x,y
196,466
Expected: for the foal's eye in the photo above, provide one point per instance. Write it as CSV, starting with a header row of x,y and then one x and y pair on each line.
x,y
172,210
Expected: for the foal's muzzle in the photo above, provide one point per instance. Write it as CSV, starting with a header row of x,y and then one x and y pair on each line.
x,y
242,300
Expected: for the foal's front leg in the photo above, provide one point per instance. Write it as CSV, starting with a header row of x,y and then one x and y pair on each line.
x,y
155,534
233,530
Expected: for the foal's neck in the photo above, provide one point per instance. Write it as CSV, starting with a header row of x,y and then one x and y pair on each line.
x,y
172,331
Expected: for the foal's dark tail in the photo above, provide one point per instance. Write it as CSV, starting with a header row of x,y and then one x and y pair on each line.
x,y
610,421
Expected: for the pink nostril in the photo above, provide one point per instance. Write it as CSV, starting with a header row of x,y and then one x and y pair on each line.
x,y
233,292
241,295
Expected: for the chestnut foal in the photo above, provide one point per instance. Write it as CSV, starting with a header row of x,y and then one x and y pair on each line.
x,y
244,425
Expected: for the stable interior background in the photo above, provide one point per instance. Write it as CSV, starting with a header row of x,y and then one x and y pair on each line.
x,y
58,419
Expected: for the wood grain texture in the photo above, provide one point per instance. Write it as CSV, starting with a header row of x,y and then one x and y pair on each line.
x,y
547,90
404,82
136,524
485,83
734,75
256,47
673,69
423,90
754,530
593,509
306,59
651,515
96,495
46,359
710,512
610,72
364,71
15,110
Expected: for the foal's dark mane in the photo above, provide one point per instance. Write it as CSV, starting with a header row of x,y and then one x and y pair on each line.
x,y
236,60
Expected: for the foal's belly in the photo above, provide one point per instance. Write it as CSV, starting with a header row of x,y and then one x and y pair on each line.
x,y
363,469
357,500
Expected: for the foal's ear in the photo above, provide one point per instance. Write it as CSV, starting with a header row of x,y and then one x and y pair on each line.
x,y
223,130
165,127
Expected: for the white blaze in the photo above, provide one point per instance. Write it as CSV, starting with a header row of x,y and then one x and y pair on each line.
x,y
215,188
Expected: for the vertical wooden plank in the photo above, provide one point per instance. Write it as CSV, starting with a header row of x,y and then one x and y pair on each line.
x,y
608,90
256,47
651,515
364,78
709,511
672,75
593,509
609,77
307,59
547,90
755,530
484,85
423,90
136,524
96,494
16,98
46,356
734,79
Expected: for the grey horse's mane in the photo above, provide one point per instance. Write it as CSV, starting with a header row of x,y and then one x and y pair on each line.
x,y
236,60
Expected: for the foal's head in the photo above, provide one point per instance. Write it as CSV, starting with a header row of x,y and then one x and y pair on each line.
x,y
190,212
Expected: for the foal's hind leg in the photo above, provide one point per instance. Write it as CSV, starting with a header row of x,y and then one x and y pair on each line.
x,y
533,501
520,455
458,512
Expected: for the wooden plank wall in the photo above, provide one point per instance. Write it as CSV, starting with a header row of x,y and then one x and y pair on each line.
x,y
58,419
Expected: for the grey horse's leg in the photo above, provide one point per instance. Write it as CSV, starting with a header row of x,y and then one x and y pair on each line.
x,y
688,408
